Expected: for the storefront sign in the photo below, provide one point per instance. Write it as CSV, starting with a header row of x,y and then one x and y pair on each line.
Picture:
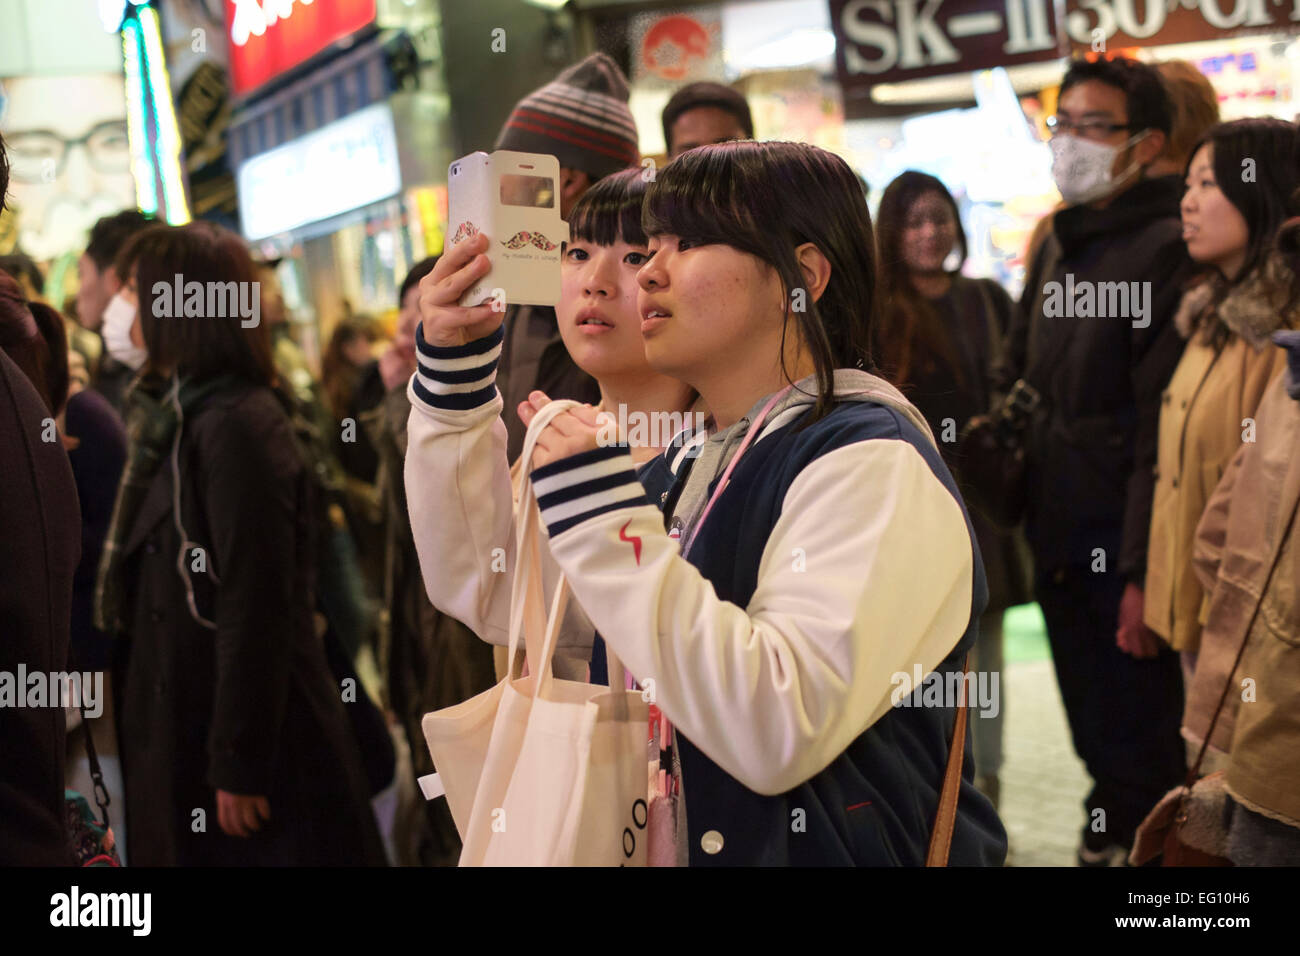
x,y
889,40
340,167
1124,23
268,37
675,48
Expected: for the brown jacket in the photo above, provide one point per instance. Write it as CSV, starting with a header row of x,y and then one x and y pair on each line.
x,y
1246,535
1203,422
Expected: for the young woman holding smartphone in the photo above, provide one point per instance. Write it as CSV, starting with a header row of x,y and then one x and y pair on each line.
x,y
457,477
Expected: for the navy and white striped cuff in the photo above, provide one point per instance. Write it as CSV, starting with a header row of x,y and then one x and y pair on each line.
x,y
582,486
460,377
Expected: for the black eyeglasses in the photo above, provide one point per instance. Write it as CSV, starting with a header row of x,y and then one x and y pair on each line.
x,y
1092,129
39,155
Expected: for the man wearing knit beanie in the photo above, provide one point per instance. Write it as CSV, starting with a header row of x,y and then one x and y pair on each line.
x,y
581,118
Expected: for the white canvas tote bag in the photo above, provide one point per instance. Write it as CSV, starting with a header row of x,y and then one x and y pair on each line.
x,y
540,771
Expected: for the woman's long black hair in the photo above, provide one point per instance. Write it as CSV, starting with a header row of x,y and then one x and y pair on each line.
x,y
909,334
766,199
1266,191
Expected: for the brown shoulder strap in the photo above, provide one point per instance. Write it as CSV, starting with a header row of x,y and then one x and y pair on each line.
x,y
946,817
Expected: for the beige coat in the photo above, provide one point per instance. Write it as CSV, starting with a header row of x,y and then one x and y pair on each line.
x,y
1205,417
1247,532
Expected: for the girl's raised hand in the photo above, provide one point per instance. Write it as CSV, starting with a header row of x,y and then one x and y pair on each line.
x,y
569,433
446,323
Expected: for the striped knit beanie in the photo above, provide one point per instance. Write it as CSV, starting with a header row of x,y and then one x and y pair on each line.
x,y
581,118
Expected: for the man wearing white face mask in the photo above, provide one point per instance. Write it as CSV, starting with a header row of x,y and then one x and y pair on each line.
x,y
98,283
122,338
1094,341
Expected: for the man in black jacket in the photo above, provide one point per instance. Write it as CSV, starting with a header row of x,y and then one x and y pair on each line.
x,y
582,119
1094,336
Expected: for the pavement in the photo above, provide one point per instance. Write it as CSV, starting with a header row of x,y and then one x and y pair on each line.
x,y
1043,783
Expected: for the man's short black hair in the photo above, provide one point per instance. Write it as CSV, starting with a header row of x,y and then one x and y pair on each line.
x,y
418,272
1144,93
693,96
109,235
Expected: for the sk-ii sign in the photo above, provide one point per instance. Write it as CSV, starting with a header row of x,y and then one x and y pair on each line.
x,y
889,40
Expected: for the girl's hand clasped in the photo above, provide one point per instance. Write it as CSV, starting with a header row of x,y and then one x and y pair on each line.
x,y
569,433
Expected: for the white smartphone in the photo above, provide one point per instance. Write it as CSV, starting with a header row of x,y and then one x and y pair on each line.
x,y
515,199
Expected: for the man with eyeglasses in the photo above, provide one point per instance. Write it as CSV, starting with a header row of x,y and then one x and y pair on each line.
x,y
1098,373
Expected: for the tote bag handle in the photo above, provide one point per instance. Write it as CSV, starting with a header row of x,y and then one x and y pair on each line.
x,y
527,600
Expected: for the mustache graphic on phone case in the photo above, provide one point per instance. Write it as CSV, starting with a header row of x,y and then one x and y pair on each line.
x,y
524,237
466,230
497,195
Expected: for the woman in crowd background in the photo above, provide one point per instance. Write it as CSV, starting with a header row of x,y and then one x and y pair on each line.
x,y
235,743
352,385
1239,183
937,339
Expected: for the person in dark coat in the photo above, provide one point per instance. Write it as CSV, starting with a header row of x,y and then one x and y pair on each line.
x,y
39,547
95,439
429,659
235,742
1094,336
582,119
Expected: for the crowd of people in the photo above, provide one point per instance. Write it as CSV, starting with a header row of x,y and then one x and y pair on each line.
x,y
280,573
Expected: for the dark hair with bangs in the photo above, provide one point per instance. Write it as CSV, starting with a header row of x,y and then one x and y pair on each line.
x,y
766,199
1265,202
610,211
196,347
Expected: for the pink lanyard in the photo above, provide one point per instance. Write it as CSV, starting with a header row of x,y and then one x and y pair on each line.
x,y
665,725
735,460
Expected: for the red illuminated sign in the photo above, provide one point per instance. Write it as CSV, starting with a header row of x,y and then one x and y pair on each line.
x,y
268,37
